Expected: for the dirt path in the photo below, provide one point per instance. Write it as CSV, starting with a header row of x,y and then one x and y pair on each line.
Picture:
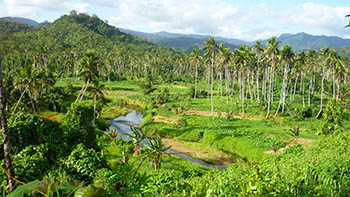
x,y
302,141
198,153
217,114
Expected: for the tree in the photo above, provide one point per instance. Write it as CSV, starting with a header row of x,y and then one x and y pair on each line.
x,y
88,71
210,53
30,81
196,58
271,54
287,56
349,21
6,135
97,91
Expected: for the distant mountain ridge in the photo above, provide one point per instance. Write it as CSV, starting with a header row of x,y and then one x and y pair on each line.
x,y
27,21
186,42
299,42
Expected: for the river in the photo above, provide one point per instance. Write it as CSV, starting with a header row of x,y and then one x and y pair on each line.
x,y
122,123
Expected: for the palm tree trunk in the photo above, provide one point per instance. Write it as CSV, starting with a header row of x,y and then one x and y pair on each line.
x,y
94,121
19,100
80,92
322,89
257,86
195,82
295,88
86,87
212,85
6,136
32,102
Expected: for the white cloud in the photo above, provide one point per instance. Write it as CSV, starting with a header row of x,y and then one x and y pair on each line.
x,y
214,17
33,8
326,19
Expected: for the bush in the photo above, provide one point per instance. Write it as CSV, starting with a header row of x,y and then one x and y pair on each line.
x,y
28,130
78,125
332,118
83,163
31,164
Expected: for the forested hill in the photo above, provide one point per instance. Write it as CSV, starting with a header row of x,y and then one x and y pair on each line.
x,y
60,45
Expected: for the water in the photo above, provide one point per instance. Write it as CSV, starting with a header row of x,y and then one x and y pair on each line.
x,y
122,124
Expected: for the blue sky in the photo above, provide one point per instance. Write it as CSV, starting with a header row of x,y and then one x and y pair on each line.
x,y
243,19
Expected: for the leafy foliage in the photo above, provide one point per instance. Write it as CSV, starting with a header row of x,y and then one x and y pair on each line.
x,y
84,163
78,125
332,118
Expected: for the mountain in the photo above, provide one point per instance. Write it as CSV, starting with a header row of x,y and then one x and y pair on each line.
x,y
303,41
27,21
299,42
184,42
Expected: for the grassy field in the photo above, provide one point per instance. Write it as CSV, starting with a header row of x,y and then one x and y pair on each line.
x,y
228,137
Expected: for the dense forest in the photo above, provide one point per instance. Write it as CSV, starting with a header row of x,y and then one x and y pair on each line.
x,y
260,120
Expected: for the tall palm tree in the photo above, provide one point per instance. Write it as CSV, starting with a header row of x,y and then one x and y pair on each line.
x,y
31,80
88,72
196,58
5,134
97,91
271,54
324,53
210,52
258,51
287,56
225,55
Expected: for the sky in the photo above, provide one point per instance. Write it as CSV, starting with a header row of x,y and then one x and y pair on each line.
x,y
242,19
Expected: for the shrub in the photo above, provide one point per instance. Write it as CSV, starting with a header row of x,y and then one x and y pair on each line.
x,y
78,125
28,130
31,164
332,118
83,163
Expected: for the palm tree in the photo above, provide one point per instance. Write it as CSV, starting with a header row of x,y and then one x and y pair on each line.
x,y
258,51
6,135
225,55
287,56
271,54
97,91
324,63
196,58
157,150
210,52
30,81
89,72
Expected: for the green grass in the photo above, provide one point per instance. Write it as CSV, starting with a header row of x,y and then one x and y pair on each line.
x,y
249,136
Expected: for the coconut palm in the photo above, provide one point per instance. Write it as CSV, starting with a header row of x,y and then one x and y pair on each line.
x,y
196,58
97,91
30,81
225,55
271,54
88,72
287,56
211,49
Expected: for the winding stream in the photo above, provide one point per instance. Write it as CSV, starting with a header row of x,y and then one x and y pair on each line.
x,y
122,124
